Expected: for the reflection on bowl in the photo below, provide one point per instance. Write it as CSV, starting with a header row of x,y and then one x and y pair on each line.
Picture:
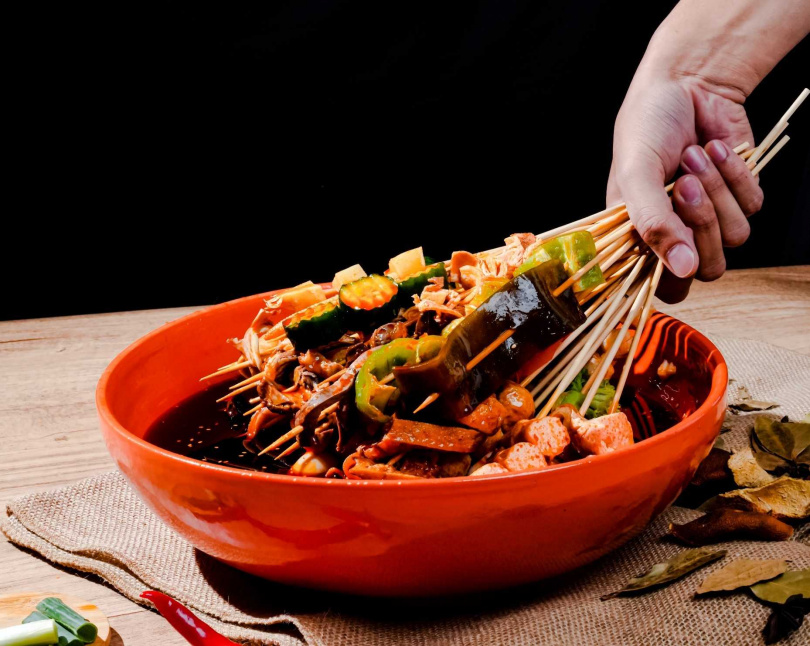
x,y
424,537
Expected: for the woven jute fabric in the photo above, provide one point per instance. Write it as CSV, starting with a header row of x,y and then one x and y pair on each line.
x,y
100,525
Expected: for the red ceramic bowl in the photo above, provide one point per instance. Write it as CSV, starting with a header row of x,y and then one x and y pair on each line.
x,y
417,538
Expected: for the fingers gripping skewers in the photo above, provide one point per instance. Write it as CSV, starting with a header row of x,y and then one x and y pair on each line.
x,y
510,359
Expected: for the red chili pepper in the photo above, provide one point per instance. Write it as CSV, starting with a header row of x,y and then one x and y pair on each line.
x,y
185,622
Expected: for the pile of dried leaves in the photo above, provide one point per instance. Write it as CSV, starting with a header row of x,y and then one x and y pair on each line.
x,y
760,492
787,593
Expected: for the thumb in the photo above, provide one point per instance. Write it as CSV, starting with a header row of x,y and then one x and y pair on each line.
x,y
641,183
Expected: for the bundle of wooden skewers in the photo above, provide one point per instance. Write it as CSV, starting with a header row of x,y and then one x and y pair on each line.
x,y
624,300
621,303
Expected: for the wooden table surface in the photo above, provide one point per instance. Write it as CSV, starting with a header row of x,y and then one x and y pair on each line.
x,y
49,435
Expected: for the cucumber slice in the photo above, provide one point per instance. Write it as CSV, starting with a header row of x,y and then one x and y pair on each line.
x,y
315,326
369,301
415,283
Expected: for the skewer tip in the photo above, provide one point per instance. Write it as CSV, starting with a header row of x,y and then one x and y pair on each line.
x,y
428,401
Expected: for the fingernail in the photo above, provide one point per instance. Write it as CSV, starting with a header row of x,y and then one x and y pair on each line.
x,y
681,260
689,188
695,159
718,151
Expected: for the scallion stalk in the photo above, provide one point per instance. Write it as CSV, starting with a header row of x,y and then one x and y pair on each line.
x,y
38,633
69,618
66,638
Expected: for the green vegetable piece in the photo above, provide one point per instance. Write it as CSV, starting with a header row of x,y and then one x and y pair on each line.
x,y
36,633
600,405
601,401
660,574
371,397
427,347
315,326
574,250
69,618
415,283
488,288
780,589
369,301
573,397
66,638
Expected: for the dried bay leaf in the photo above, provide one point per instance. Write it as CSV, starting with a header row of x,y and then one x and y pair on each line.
x,y
780,589
747,471
785,497
745,403
742,573
786,619
660,574
786,440
731,524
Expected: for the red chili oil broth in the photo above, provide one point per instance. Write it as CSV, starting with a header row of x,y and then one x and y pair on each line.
x,y
200,428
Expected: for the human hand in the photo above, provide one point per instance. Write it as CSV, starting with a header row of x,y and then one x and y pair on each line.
x,y
667,123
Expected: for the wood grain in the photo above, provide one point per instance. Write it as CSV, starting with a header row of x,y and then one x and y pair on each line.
x,y
16,607
49,434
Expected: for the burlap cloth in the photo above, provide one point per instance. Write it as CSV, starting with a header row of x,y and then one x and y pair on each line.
x,y
100,525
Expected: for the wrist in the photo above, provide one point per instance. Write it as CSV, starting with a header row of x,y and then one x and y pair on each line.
x,y
717,62
726,46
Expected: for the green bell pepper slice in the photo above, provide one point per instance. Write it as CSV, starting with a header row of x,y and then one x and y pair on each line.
x,y
371,397
574,250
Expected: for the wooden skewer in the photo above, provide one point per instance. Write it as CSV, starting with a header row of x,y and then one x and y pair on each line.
x,y
753,158
387,379
615,234
778,128
607,223
770,155
257,377
583,353
605,294
235,367
597,376
428,401
645,315
609,321
594,314
741,147
297,430
290,449
254,400
396,458
239,391
622,243
489,349
253,410
334,377
293,432
329,410
583,222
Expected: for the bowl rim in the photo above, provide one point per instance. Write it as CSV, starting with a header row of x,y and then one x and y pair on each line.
x,y
716,393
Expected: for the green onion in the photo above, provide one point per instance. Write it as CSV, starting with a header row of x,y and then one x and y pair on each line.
x,y
66,638
38,633
69,618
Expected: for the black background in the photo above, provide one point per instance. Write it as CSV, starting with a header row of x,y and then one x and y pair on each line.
x,y
192,154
